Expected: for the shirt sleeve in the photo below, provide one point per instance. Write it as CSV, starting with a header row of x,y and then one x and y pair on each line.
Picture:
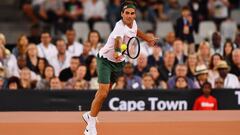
x,y
118,31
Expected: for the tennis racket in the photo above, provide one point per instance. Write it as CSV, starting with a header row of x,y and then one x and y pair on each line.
x,y
133,48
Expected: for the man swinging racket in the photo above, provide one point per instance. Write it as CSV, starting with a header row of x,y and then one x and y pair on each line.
x,y
110,60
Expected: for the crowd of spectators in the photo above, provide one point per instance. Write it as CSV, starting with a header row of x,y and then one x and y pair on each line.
x,y
42,61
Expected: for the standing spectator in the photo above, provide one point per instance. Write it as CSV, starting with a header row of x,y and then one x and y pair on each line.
x,y
230,80
142,66
133,81
184,26
227,51
94,10
95,41
217,46
180,71
86,52
43,84
147,82
181,83
204,53
62,59
235,67
218,10
45,48
169,40
113,12
69,72
201,74
55,84
206,101
178,48
212,72
198,12
73,46
32,57
160,84
192,62
21,47
168,66
73,11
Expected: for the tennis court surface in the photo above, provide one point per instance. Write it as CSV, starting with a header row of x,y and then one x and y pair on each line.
x,y
123,123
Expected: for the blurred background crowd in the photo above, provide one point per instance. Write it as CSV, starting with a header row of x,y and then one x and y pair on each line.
x,y
52,44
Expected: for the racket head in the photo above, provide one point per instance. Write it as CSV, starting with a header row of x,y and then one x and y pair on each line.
x,y
133,47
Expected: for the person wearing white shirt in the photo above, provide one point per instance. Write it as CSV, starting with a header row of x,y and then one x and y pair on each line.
x,y
230,80
73,47
62,59
94,10
45,48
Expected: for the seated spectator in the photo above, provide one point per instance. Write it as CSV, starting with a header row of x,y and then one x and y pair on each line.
x,y
184,26
206,101
168,43
235,67
212,72
42,63
178,48
62,59
181,71
181,83
73,46
204,53
192,62
147,82
95,41
69,72
79,76
46,49
3,42
227,51
21,47
9,62
34,34
14,83
32,57
201,74
142,66
155,59
25,78
80,85
217,46
168,66
94,10
160,84
120,83
44,82
133,81
86,52
237,41
91,64
31,9
73,11
55,83
219,83
230,80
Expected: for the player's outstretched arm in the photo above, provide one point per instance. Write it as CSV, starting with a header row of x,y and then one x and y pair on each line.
x,y
150,39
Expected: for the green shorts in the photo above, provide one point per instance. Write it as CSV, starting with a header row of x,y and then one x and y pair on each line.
x,y
108,71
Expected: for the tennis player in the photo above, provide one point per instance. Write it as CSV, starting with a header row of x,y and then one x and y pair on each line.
x,y
110,61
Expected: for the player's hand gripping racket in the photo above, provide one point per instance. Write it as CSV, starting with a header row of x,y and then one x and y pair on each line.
x,y
132,49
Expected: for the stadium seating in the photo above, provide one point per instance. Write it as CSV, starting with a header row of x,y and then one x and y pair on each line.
x,y
82,30
206,28
163,28
103,28
228,29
